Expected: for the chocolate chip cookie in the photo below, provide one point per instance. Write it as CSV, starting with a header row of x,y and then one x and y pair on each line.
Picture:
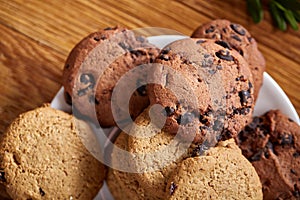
x,y
238,38
94,67
43,157
272,143
205,89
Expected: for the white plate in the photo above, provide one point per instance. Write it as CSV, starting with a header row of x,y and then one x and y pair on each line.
x,y
271,96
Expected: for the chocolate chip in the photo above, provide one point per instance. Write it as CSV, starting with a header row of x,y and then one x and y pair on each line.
x,y
42,193
200,149
241,52
200,41
224,55
250,84
269,146
207,61
108,28
296,154
169,110
287,139
219,67
202,128
250,39
203,119
164,57
238,29
256,157
67,66
82,92
97,39
267,155
141,88
237,38
296,191
125,46
210,29
166,50
186,118
224,30
245,111
137,53
290,120
68,98
223,44
89,82
243,136
87,78
178,119
173,187
244,95
2,176
293,171
211,71
218,124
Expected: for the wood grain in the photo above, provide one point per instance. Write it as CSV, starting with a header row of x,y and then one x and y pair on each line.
x,y
36,37
29,74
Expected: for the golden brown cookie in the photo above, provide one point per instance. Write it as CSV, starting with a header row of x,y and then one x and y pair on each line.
x,y
43,157
221,173
145,183
119,183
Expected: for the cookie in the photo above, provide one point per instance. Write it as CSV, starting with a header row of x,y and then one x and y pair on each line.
x,y
148,177
222,173
43,157
119,183
238,38
272,143
96,64
203,88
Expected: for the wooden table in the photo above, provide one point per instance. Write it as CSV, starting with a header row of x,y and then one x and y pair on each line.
x,y
36,37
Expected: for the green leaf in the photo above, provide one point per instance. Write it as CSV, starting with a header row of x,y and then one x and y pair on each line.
x,y
277,16
291,19
279,6
255,10
297,15
293,5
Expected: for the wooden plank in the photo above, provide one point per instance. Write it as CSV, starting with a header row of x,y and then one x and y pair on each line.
x,y
30,74
62,25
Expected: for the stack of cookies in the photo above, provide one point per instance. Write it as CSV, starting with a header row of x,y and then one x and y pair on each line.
x,y
185,119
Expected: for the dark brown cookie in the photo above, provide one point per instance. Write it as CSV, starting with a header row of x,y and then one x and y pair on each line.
x,y
238,38
272,143
204,88
94,67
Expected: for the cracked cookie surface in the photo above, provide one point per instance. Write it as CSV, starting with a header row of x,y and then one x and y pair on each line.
x,y
43,157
